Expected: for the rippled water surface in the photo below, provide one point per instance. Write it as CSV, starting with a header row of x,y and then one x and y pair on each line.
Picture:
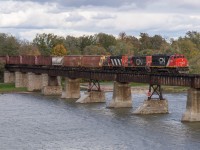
x,y
36,122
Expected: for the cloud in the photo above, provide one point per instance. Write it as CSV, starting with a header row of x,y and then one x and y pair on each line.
x,y
79,17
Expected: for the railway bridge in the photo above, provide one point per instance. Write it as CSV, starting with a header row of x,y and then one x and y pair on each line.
x,y
48,80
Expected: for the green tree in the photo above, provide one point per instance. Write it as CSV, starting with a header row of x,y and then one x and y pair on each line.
x,y
94,50
85,41
194,36
105,40
72,45
46,42
145,41
59,50
9,45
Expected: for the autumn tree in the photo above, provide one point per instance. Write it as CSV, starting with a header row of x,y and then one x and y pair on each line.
x,y
59,50
27,48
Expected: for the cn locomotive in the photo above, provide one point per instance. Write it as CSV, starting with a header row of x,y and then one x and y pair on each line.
x,y
176,63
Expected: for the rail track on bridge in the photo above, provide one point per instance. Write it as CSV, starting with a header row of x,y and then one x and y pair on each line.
x,y
189,80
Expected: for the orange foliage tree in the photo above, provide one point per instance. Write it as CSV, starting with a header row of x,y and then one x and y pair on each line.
x,y
59,50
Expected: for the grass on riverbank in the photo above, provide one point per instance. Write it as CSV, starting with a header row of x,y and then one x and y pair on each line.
x,y
10,87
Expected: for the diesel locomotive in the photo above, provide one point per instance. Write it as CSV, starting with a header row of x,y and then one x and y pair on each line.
x,y
176,63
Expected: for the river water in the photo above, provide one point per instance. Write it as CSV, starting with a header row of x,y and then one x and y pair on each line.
x,y
36,122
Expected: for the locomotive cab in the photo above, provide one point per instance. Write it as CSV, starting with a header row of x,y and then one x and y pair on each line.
x,y
177,61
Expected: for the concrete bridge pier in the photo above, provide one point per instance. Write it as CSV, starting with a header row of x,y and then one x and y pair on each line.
x,y
9,77
34,81
193,106
51,85
72,88
153,105
20,79
94,93
121,95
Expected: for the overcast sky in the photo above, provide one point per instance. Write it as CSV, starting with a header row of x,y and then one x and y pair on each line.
x,y
169,18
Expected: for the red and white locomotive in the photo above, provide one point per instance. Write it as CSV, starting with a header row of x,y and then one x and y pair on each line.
x,y
176,63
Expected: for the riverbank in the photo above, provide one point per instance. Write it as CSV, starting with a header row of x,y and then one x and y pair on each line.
x,y
10,88
106,86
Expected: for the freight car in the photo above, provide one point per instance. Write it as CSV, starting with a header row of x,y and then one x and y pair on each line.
x,y
156,63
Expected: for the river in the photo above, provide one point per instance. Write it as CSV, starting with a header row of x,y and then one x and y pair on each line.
x,y
36,122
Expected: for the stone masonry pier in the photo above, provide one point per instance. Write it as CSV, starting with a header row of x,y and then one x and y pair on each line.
x,y
51,85
21,79
72,88
9,77
34,81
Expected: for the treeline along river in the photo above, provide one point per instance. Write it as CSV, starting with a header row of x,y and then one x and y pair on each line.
x,y
33,121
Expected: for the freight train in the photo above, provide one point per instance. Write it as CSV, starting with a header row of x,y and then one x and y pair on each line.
x,y
175,63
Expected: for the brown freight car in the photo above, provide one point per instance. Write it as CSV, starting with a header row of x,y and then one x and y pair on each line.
x,y
72,61
2,59
92,61
43,60
28,60
14,60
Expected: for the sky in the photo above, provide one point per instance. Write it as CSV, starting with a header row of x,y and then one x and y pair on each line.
x,y
168,18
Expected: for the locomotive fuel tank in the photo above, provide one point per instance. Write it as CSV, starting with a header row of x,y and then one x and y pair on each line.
x,y
57,61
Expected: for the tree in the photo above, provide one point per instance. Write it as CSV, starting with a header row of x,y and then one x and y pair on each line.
x,y
27,48
9,45
85,41
94,50
145,41
46,42
124,48
105,40
59,50
72,45
156,42
194,36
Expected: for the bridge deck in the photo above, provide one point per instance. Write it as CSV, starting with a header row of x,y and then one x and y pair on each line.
x,y
190,80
